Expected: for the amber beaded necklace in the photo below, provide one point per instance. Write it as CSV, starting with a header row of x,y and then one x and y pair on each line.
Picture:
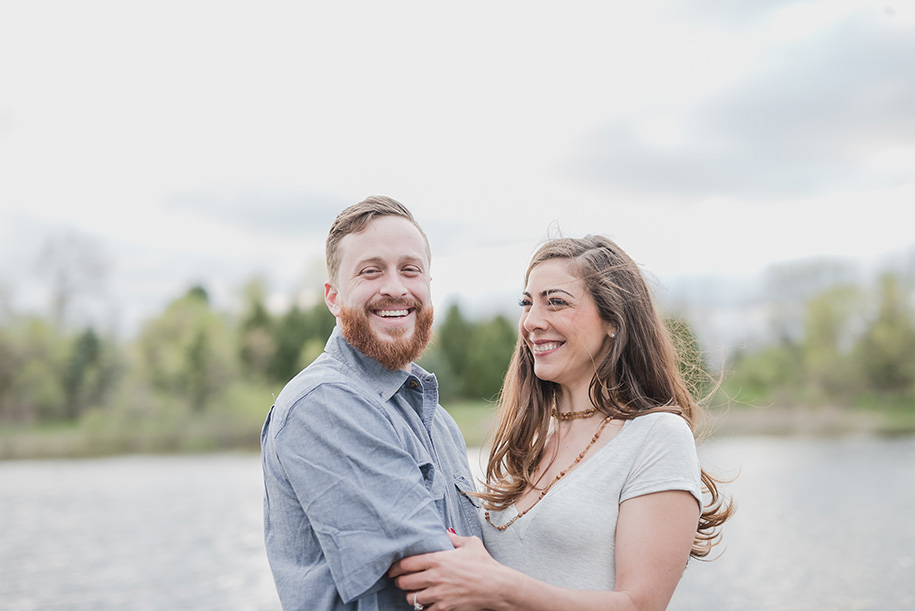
x,y
558,477
585,413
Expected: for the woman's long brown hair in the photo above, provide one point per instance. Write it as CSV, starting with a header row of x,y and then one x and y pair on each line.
x,y
639,375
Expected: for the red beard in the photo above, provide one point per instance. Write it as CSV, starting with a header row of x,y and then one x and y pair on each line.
x,y
395,351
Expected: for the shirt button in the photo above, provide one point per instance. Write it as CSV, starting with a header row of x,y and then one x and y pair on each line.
x,y
413,384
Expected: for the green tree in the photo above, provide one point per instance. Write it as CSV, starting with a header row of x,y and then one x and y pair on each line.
x,y
289,335
33,356
187,353
91,374
886,351
489,352
450,351
830,321
770,373
299,337
256,337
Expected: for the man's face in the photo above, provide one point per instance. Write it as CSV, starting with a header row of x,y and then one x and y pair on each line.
x,y
381,294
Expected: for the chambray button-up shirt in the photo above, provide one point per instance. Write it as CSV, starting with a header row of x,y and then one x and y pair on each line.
x,y
362,467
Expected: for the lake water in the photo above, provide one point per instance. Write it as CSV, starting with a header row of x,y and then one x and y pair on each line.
x,y
822,524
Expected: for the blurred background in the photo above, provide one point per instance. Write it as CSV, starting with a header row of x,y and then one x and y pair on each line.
x,y
169,171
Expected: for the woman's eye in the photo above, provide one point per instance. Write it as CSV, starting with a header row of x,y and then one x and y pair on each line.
x,y
557,302
524,302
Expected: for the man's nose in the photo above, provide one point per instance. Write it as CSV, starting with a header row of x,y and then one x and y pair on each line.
x,y
393,285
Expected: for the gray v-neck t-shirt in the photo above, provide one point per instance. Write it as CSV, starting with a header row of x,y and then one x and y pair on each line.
x,y
568,538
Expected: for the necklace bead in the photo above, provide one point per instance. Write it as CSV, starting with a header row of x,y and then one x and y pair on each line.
x,y
585,413
561,474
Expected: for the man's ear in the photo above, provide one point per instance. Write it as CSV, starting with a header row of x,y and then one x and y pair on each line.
x,y
332,299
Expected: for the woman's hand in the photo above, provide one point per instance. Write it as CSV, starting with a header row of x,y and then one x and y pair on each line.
x,y
463,579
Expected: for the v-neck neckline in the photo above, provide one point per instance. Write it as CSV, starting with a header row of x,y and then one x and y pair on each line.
x,y
519,528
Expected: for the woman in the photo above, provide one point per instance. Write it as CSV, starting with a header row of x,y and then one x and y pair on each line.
x,y
594,493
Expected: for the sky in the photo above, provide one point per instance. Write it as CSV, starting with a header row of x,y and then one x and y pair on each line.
x,y
181,143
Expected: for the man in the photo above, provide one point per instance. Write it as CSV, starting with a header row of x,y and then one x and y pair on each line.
x,y
362,467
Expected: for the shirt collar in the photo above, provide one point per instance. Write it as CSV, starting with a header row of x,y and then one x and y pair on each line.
x,y
384,381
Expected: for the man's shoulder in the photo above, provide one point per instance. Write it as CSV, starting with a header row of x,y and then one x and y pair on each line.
x,y
324,372
326,377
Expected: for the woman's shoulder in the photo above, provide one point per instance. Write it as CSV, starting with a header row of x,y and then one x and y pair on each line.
x,y
662,423
670,419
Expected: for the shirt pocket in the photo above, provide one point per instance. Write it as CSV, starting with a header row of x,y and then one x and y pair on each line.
x,y
468,504
433,482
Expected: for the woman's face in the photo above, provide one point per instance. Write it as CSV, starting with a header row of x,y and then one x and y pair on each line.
x,y
561,326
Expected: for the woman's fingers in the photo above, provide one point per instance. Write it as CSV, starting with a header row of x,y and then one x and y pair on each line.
x,y
411,582
396,569
413,564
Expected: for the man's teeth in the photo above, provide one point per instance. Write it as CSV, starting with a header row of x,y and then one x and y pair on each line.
x,y
392,313
546,347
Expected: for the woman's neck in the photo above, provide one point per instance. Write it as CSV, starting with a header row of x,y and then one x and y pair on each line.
x,y
573,399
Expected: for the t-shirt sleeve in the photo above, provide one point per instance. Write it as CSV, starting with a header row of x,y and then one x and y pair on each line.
x,y
666,460
365,496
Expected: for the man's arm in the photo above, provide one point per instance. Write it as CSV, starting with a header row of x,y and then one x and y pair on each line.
x,y
368,499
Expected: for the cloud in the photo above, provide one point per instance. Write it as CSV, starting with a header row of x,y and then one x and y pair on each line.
x,y
807,121
728,12
272,213
268,211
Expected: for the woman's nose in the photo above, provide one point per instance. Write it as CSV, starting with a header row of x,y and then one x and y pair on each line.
x,y
533,320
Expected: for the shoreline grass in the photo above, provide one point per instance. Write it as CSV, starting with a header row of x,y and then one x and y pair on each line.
x,y
211,431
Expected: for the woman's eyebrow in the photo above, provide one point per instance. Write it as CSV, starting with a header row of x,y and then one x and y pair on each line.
x,y
549,292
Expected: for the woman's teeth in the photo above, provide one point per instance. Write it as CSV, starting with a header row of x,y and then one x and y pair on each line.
x,y
546,347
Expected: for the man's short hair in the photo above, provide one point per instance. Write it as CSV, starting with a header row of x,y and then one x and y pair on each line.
x,y
355,218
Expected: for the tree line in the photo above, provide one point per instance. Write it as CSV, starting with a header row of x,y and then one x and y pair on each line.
x,y
833,339
194,365
192,358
